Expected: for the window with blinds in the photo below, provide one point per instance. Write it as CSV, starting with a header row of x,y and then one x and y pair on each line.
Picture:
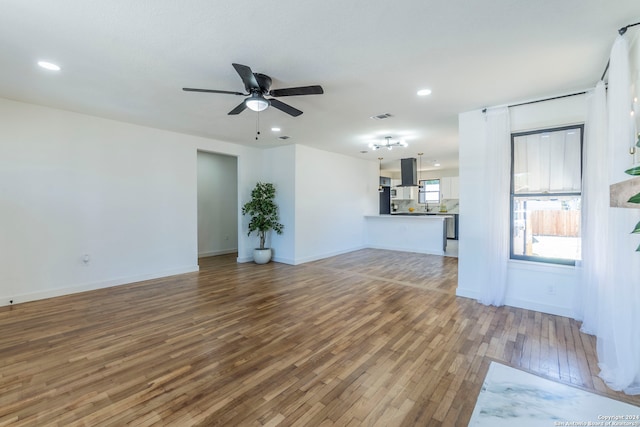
x,y
546,194
429,191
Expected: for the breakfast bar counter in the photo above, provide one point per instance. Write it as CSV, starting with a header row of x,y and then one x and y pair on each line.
x,y
411,233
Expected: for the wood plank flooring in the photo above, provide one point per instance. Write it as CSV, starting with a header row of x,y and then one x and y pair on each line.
x,y
368,338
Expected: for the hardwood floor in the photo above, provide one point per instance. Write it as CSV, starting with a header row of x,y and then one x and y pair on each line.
x,y
368,338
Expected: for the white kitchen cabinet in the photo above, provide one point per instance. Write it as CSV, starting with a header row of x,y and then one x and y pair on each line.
x,y
455,185
449,187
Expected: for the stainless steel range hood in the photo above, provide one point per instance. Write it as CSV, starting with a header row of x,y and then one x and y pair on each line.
x,y
409,172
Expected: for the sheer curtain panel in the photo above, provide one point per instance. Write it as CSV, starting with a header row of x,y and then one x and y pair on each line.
x,y
618,329
595,209
497,179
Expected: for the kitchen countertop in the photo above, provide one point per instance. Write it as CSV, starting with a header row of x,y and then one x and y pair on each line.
x,y
422,213
412,215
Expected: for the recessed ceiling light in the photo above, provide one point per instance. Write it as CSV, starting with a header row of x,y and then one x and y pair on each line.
x,y
275,129
49,66
424,92
436,164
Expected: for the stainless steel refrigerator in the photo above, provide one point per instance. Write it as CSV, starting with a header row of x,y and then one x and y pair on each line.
x,y
385,200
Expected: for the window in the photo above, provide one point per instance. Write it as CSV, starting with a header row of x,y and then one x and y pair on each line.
x,y
429,191
546,185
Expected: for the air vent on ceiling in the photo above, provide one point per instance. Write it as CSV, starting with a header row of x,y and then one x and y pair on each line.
x,y
381,116
284,137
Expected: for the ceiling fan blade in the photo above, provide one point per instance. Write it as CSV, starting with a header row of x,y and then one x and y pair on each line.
x,y
239,109
303,90
189,89
285,107
247,77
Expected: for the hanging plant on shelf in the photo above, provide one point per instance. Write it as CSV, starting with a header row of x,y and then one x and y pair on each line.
x,y
635,171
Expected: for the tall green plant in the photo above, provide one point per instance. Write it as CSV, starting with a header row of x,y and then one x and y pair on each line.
x,y
263,211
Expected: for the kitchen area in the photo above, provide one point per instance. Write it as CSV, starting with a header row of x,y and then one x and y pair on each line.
x,y
418,211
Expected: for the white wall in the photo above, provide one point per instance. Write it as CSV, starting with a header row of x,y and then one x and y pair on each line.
x,y
333,193
279,169
73,185
217,204
126,195
536,286
322,199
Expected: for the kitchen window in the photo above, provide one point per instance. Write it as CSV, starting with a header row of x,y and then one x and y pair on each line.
x,y
429,191
546,195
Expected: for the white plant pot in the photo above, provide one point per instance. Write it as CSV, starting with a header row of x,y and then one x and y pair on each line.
x,y
262,256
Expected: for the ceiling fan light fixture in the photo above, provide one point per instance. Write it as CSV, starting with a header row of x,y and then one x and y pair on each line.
x,y
256,103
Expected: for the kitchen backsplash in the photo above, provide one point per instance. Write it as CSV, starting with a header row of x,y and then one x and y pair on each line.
x,y
403,205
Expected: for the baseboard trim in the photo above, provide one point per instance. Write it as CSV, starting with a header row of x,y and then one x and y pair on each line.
x,y
403,249
57,292
467,293
521,303
218,252
542,308
303,260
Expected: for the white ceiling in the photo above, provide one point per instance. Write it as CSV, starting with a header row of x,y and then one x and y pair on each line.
x,y
128,60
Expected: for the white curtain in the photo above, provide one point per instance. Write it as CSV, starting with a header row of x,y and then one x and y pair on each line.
x,y
595,209
498,161
618,329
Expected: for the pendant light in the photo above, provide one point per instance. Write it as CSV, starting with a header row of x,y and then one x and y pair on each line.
x,y
420,184
380,190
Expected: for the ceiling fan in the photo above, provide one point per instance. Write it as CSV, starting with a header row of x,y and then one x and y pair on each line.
x,y
258,86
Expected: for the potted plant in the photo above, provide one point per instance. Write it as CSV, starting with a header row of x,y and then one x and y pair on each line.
x,y
264,217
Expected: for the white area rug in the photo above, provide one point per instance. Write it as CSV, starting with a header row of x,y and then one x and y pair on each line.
x,y
510,397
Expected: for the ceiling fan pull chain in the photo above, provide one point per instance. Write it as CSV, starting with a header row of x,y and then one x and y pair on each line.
x,y
257,125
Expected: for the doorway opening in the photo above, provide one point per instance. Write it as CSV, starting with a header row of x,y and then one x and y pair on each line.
x,y
217,204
